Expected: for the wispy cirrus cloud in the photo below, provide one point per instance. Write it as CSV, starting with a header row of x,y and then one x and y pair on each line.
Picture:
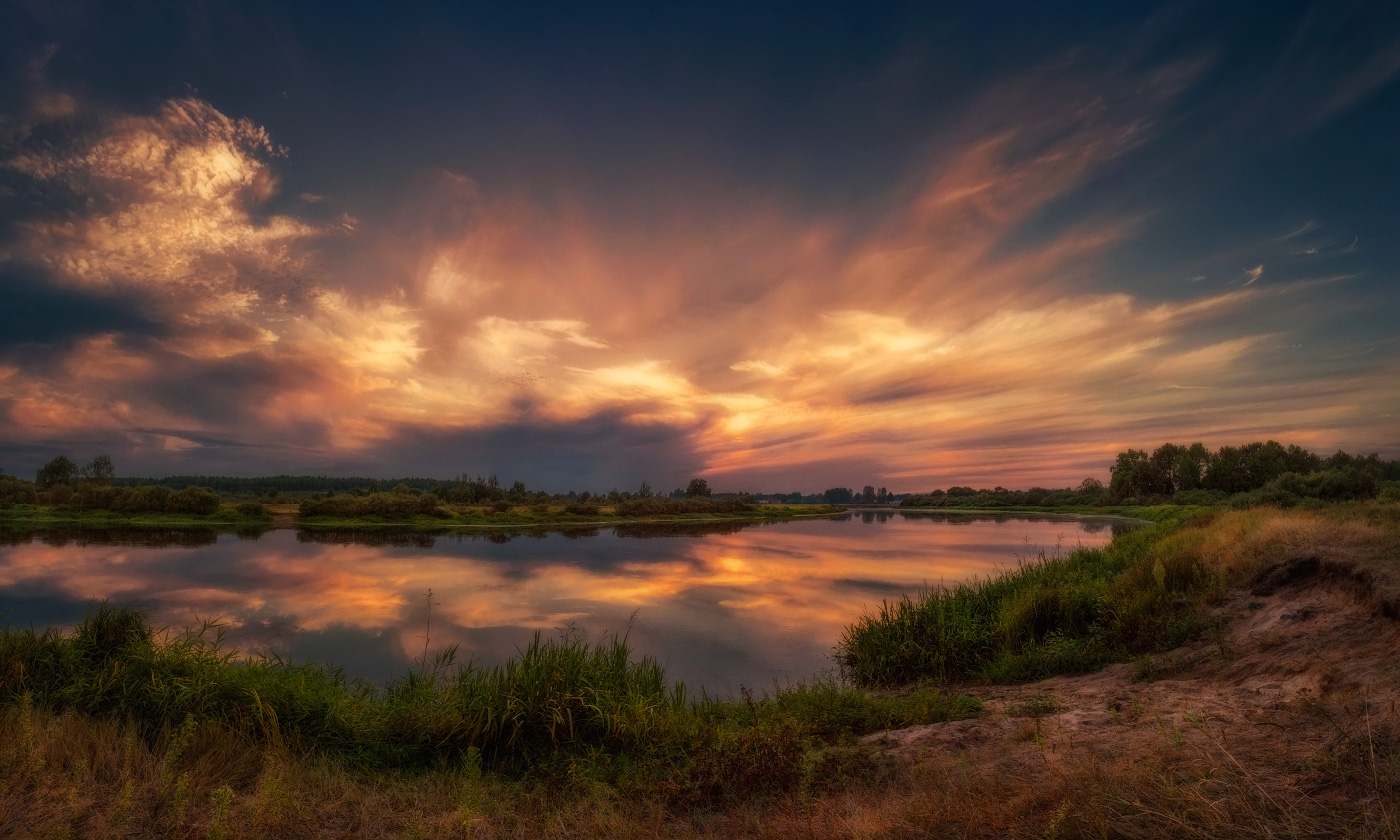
x,y
974,331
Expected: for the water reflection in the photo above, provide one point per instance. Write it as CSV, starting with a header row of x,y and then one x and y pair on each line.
x,y
157,538
721,604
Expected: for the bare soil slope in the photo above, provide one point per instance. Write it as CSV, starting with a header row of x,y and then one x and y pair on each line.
x,y
1282,721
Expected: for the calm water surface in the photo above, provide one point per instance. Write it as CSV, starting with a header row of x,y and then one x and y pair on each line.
x,y
721,607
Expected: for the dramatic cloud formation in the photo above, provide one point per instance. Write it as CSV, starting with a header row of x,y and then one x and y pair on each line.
x,y
1002,310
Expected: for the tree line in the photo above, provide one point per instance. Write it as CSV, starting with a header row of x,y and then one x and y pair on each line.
x,y
1269,470
95,486
62,483
1254,473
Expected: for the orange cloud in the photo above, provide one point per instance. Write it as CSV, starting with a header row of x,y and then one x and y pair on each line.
x,y
773,340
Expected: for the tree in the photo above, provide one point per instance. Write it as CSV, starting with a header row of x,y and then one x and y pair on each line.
x,y
1135,474
1190,468
698,488
1227,471
867,494
644,492
838,495
99,471
58,471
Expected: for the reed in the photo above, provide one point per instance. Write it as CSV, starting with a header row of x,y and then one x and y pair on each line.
x,y
1051,614
559,705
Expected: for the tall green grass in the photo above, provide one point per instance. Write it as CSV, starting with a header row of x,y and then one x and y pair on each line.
x,y
1049,615
559,705
555,693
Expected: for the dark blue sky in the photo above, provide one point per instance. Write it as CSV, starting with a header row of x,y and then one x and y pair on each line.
x,y
780,244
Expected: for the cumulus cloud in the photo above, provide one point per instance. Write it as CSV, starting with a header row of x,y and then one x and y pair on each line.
x,y
941,343
167,205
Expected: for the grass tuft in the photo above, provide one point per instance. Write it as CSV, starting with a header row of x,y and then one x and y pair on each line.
x,y
563,710
1071,613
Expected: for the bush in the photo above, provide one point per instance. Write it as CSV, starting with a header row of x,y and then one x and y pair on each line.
x,y
17,491
153,498
255,509
581,509
99,496
197,500
1199,497
381,505
58,495
657,506
1332,485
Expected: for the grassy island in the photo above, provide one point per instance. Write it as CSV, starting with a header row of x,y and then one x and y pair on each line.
x,y
364,513
248,517
63,497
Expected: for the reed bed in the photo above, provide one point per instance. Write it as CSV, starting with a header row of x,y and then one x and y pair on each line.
x,y
560,705
1050,614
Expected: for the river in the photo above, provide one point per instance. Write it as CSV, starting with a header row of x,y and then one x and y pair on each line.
x,y
721,606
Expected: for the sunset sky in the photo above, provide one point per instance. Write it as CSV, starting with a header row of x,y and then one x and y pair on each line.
x,y
785,246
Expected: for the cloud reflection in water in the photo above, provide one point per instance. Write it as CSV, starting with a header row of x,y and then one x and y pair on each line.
x,y
724,608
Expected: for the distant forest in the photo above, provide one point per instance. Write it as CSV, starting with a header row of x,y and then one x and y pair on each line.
x,y
1252,474
1255,473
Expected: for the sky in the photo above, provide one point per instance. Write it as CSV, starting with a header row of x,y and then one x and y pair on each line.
x,y
783,246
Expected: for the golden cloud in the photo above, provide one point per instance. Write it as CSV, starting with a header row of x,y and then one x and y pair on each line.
x,y
772,340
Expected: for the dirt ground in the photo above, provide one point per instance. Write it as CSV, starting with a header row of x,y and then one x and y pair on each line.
x,y
1295,696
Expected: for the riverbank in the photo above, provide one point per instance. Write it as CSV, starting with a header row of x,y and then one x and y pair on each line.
x,y
553,517
33,518
449,518
1274,716
1146,513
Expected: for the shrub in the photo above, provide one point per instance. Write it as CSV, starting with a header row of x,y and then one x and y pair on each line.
x,y
98,496
255,509
381,505
17,491
1199,497
1333,485
57,495
197,500
152,498
581,509
657,506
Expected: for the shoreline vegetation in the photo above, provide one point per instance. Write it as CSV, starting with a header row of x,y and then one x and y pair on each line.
x,y
121,729
1227,669
239,518
66,495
